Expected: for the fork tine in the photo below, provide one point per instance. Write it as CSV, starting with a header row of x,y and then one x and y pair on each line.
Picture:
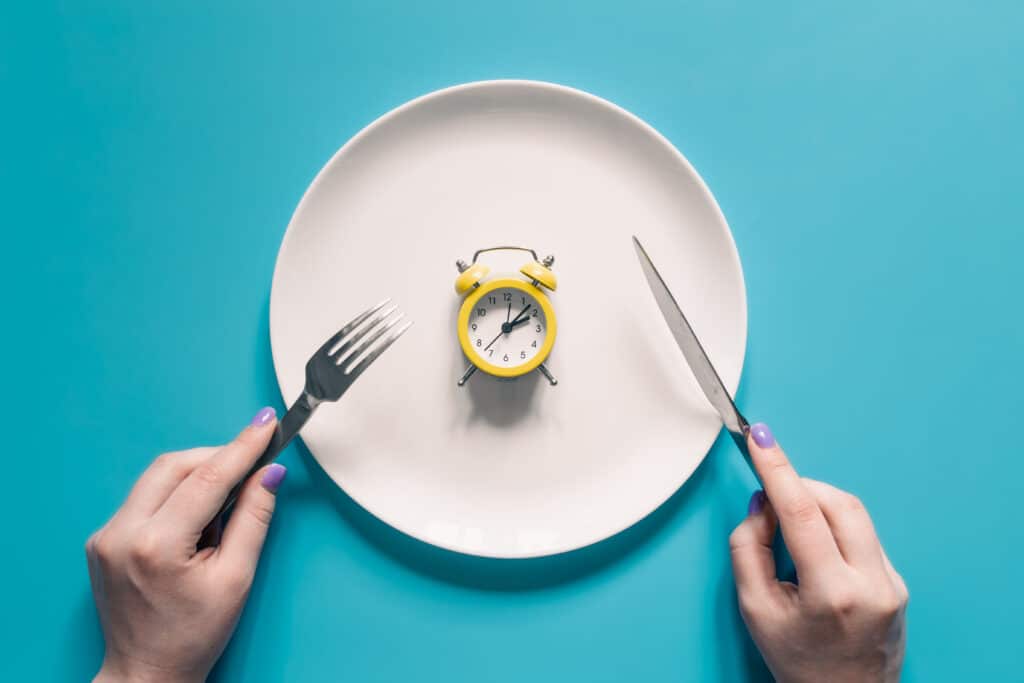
x,y
371,335
353,324
359,367
345,350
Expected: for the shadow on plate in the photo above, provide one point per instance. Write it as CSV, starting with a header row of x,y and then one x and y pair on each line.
x,y
502,403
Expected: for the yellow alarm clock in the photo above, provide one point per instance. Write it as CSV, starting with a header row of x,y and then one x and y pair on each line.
x,y
506,324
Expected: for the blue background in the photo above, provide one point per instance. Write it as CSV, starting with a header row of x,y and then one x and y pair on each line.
x,y
867,156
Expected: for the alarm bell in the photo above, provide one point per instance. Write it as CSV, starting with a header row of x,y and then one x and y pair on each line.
x,y
540,272
469,276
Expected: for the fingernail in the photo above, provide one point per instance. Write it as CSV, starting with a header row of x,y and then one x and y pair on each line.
x,y
263,417
756,503
273,477
762,435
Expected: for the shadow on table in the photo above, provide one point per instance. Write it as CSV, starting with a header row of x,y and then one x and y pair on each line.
x,y
83,649
497,574
738,657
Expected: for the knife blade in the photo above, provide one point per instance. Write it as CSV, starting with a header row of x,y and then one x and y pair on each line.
x,y
705,373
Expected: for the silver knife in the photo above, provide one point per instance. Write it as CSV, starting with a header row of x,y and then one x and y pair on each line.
x,y
700,365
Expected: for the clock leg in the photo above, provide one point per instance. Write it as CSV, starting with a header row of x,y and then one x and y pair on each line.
x,y
547,373
469,373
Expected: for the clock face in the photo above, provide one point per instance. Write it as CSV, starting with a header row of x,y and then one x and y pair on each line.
x,y
507,327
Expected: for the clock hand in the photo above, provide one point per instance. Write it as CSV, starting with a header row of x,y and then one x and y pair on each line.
x,y
496,338
509,314
508,327
525,309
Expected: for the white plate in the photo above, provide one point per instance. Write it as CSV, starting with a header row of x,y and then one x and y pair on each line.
x,y
511,469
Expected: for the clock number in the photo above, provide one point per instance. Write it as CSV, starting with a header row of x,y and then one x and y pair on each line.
x,y
538,328
524,300
535,314
473,327
522,354
534,344
505,358
492,300
508,296
479,342
490,352
481,312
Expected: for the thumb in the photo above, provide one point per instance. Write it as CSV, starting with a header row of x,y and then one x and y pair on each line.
x,y
247,528
750,546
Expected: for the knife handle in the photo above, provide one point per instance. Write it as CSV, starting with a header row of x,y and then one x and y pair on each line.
x,y
740,439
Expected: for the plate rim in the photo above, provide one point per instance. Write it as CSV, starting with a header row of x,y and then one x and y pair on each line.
x,y
591,99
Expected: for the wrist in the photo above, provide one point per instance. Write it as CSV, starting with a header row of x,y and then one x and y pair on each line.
x,y
127,670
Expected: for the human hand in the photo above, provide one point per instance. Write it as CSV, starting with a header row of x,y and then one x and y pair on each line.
x,y
845,621
167,608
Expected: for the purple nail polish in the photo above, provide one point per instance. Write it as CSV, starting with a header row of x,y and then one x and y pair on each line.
x,y
762,435
263,417
756,503
273,477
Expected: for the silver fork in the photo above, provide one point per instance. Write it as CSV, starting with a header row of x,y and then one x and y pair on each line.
x,y
330,372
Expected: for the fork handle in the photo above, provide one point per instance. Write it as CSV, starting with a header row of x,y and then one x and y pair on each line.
x,y
285,431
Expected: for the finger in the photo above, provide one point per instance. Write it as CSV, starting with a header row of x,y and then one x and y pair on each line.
x,y
243,538
155,485
803,525
750,547
850,523
199,497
